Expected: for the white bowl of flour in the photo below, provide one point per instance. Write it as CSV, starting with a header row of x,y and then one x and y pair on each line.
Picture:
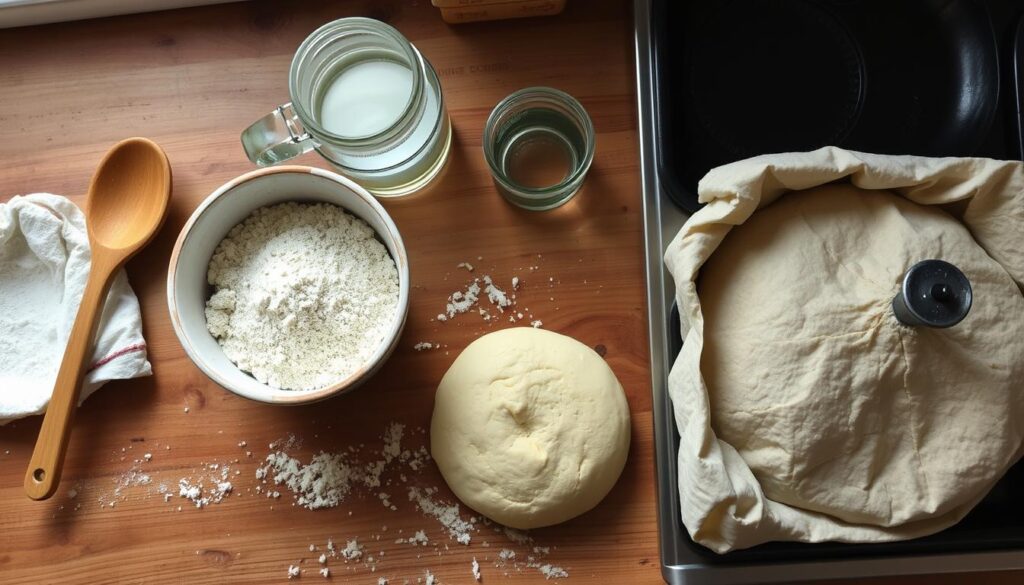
x,y
289,285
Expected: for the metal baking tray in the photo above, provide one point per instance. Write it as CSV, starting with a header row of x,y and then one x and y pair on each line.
x,y
991,537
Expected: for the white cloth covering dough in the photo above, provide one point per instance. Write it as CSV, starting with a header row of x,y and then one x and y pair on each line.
x,y
44,265
823,418
530,427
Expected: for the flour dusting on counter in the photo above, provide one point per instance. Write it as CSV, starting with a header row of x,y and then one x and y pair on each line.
x,y
394,465
328,478
502,303
447,514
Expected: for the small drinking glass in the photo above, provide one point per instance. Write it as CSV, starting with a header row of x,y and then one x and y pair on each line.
x,y
539,144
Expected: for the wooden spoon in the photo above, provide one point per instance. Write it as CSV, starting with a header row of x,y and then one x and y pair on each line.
x,y
126,204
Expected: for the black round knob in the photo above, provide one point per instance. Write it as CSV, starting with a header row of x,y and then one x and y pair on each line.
x,y
934,294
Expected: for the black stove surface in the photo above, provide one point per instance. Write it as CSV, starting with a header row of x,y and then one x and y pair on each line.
x,y
737,78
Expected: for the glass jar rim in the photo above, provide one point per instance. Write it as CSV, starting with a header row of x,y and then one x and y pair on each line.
x,y
552,96
356,25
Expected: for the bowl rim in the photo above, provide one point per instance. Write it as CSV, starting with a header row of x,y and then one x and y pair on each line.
x,y
273,395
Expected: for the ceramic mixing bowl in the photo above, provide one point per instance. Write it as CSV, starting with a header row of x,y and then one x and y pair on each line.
x,y
188,289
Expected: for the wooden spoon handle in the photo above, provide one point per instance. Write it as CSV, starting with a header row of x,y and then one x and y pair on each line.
x,y
47,461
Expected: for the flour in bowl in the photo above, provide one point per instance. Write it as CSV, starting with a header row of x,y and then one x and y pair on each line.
x,y
303,295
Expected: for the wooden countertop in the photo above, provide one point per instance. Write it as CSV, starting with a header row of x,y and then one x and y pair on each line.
x,y
192,80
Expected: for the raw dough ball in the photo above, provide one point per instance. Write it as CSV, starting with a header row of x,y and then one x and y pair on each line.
x,y
530,427
836,406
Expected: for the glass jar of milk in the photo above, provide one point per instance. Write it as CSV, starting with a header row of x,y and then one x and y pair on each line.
x,y
365,98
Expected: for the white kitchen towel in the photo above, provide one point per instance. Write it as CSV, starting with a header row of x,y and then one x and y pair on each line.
x,y
723,505
44,265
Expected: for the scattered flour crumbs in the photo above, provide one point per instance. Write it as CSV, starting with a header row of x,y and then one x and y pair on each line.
x,y
462,301
135,476
202,492
328,478
469,299
466,299
325,481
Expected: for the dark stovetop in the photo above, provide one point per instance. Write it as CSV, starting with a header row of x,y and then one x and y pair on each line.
x,y
723,80
739,78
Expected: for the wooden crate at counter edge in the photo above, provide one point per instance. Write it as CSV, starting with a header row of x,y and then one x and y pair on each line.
x,y
459,11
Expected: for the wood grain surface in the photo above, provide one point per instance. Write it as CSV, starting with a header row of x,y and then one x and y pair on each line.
x,y
192,80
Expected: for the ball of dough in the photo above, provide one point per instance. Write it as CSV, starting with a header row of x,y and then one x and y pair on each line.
x,y
836,406
530,427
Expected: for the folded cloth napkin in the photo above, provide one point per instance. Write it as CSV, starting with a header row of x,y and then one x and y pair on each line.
x,y
44,265
724,505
